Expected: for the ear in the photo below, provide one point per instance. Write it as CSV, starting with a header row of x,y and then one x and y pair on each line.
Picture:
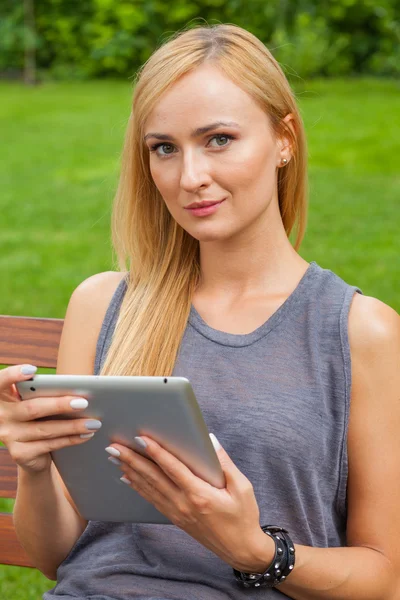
x,y
286,137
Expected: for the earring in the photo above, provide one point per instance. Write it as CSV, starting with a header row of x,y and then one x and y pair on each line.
x,y
284,161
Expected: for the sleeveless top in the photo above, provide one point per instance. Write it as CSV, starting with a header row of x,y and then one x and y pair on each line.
x,y
278,401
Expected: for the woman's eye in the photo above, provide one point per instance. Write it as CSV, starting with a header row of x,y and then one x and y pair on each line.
x,y
168,148
222,136
156,146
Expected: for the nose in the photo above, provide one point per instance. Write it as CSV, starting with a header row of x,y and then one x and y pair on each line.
x,y
195,172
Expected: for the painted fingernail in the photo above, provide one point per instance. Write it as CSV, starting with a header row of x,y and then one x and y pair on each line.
x,y
93,424
140,443
125,480
113,451
215,442
28,369
86,435
79,403
114,461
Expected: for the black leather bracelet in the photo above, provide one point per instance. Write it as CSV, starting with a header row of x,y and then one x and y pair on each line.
x,y
281,566
290,550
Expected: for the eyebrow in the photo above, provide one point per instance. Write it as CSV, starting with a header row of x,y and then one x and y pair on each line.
x,y
195,132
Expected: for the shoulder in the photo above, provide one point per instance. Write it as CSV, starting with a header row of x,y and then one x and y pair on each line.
x,y
374,422
374,328
374,338
84,317
89,301
100,286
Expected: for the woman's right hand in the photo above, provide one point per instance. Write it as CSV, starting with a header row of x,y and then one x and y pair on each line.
x,y
29,441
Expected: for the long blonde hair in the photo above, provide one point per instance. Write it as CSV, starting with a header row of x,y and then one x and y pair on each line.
x,y
162,258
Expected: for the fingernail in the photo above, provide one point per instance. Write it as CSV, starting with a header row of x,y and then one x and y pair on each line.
x,y
79,403
86,435
113,451
140,443
215,442
114,461
93,424
28,369
125,480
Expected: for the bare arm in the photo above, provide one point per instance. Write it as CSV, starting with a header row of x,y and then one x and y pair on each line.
x,y
46,521
369,568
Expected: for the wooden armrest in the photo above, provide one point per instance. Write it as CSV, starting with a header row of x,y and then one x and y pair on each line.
x,y
29,340
11,551
22,340
8,475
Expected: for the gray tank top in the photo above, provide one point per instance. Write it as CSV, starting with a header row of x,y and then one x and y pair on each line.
x,y
278,401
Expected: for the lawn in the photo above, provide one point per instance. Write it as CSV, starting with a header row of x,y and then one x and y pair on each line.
x,y
59,157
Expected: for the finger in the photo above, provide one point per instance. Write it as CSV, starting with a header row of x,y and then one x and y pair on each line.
x,y
234,477
14,395
173,468
24,454
9,395
146,469
10,375
48,430
145,488
38,408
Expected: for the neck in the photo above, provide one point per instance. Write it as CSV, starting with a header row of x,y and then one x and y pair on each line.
x,y
260,260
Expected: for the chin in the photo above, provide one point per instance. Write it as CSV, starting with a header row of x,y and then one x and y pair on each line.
x,y
209,234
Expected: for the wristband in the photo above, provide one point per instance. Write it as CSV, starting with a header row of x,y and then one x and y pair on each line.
x,y
281,566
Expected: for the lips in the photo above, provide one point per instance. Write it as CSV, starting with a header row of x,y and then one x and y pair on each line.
x,y
204,203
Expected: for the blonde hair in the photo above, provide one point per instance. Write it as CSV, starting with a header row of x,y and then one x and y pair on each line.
x,y
162,258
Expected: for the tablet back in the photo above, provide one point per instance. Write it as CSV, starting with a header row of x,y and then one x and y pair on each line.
x,y
162,408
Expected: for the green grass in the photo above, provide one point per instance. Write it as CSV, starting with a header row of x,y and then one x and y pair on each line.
x,y
59,157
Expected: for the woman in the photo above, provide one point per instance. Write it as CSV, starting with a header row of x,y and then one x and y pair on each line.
x,y
296,372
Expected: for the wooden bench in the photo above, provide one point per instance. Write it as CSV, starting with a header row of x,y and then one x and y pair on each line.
x,y
33,341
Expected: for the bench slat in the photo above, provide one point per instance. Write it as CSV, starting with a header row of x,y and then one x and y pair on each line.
x,y
8,475
11,551
29,340
22,340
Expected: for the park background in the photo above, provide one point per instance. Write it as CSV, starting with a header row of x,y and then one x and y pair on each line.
x,y
66,73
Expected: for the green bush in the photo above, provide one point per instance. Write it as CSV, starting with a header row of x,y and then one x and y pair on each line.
x,y
99,38
308,51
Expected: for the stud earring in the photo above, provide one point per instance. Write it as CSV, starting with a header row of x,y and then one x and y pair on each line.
x,y
284,161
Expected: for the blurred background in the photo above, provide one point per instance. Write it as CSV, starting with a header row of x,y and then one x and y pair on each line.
x,y
66,72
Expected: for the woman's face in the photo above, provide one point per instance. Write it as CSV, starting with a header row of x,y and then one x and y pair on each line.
x,y
235,163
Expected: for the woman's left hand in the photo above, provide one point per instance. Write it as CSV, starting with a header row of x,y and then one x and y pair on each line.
x,y
226,521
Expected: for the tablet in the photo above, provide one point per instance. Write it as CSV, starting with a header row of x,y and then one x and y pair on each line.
x,y
164,408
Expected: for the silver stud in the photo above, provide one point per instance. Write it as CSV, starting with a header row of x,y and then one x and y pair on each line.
x,y
280,550
291,567
257,584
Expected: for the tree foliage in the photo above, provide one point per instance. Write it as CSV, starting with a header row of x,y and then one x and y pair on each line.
x,y
98,38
